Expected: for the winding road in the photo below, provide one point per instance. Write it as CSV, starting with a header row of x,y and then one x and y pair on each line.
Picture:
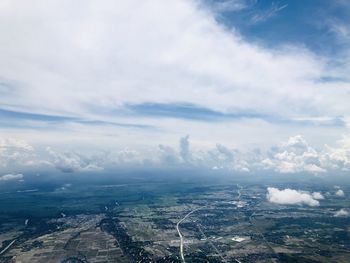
x,y
181,236
186,216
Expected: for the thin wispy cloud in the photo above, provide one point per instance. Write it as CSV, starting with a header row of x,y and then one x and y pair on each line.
x,y
264,15
230,5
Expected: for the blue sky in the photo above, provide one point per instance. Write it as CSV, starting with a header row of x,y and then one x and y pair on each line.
x,y
240,77
306,23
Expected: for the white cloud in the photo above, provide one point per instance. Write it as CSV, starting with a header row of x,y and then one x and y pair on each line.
x,y
342,213
91,58
11,177
229,5
71,162
266,14
15,152
290,197
14,144
294,156
317,196
338,158
221,157
185,151
187,56
340,193
168,156
127,156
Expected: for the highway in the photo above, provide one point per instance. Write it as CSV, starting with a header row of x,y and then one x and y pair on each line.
x,y
186,216
181,236
7,247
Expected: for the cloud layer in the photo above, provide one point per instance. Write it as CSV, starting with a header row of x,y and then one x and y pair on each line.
x,y
293,156
132,77
186,53
92,60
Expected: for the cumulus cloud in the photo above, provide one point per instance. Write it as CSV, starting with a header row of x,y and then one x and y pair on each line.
x,y
342,213
168,156
340,193
181,156
224,158
70,162
317,196
15,152
291,197
11,177
294,156
338,158
185,152
127,156
220,157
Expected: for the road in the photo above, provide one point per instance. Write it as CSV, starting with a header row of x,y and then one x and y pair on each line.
x,y
8,246
262,236
186,216
211,243
181,236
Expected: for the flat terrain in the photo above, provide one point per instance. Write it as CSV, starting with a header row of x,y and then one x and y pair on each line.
x,y
170,222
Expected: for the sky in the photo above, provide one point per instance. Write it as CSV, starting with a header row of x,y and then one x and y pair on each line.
x,y
240,85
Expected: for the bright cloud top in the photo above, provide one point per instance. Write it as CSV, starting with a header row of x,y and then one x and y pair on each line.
x,y
11,177
291,197
15,152
317,196
342,213
295,155
340,193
